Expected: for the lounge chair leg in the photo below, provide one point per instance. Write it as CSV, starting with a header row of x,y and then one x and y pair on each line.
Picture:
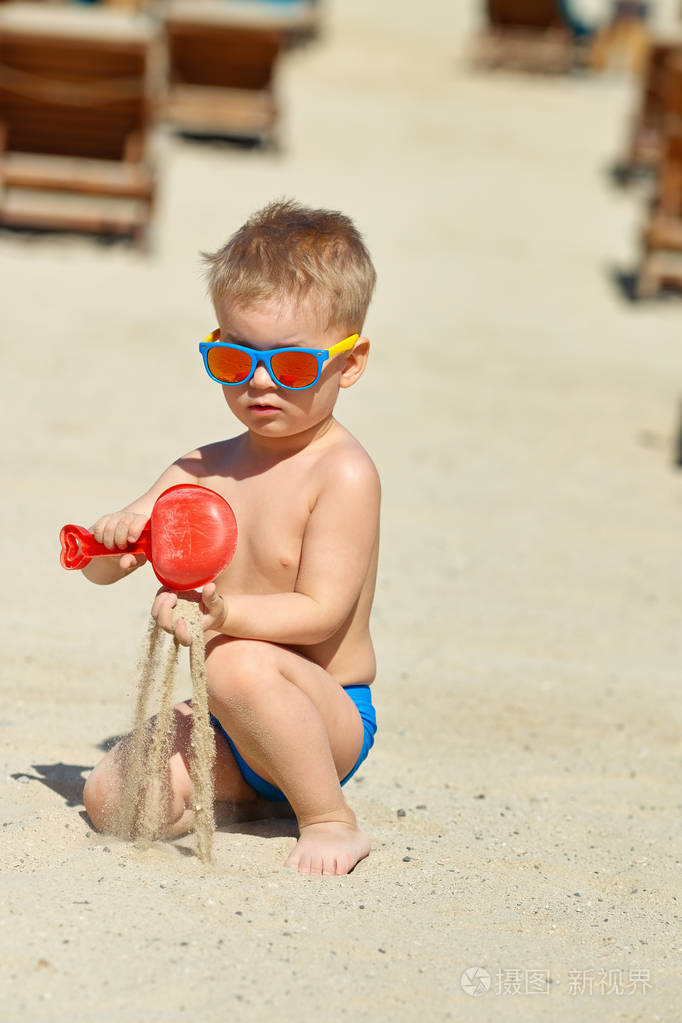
x,y
647,282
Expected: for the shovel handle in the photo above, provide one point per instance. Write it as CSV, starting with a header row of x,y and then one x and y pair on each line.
x,y
79,546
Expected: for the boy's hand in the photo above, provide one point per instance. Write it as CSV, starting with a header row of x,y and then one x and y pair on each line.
x,y
118,530
211,605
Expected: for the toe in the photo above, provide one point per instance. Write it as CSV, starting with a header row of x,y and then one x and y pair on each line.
x,y
292,861
315,865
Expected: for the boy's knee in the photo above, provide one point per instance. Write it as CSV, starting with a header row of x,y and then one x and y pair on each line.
x,y
96,796
238,670
104,785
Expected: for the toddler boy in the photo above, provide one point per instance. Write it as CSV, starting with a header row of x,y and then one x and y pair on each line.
x,y
289,655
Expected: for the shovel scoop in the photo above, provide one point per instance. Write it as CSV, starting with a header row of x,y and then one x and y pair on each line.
x,y
190,538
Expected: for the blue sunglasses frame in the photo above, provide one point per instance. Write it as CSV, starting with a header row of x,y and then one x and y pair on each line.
x,y
257,356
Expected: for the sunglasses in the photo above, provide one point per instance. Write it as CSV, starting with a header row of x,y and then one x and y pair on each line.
x,y
293,368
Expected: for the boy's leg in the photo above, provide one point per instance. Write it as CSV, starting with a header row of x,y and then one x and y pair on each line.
x,y
299,730
235,800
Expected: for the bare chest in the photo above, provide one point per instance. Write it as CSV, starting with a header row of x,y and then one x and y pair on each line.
x,y
272,511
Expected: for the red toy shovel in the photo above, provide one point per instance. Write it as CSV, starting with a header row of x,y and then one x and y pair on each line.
x,y
189,539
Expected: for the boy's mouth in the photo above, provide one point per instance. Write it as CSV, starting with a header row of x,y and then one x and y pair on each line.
x,y
263,407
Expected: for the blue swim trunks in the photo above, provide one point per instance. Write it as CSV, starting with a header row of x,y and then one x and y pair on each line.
x,y
361,697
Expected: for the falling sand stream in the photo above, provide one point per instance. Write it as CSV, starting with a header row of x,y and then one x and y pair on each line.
x,y
145,792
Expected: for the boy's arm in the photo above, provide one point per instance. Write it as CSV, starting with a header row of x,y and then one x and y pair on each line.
x,y
338,545
120,528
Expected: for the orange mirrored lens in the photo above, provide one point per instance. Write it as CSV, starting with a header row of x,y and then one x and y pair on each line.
x,y
294,369
229,364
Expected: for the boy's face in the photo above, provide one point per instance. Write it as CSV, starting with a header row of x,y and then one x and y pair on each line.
x,y
264,407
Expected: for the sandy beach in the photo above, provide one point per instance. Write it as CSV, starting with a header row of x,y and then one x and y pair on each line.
x,y
523,793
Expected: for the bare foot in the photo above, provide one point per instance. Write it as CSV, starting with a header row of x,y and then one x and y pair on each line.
x,y
331,847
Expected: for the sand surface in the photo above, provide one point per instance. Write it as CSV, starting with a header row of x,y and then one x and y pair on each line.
x,y
523,793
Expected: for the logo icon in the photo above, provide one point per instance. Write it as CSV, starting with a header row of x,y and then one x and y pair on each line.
x,y
475,981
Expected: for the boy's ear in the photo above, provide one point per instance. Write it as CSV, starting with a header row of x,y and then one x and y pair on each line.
x,y
356,360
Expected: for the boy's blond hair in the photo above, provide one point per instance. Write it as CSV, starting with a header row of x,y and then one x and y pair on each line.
x,y
287,250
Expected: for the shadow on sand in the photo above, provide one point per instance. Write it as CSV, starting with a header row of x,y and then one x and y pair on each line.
x,y
67,780
64,779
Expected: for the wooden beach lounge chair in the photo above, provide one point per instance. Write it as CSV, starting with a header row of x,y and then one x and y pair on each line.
x,y
661,260
222,60
624,39
529,35
646,140
74,116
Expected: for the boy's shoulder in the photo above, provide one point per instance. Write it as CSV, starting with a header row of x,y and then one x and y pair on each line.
x,y
208,459
346,463
341,462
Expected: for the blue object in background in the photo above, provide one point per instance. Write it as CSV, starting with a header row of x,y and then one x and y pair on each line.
x,y
574,22
602,13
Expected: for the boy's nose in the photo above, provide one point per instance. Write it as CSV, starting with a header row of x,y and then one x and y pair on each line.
x,y
261,377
